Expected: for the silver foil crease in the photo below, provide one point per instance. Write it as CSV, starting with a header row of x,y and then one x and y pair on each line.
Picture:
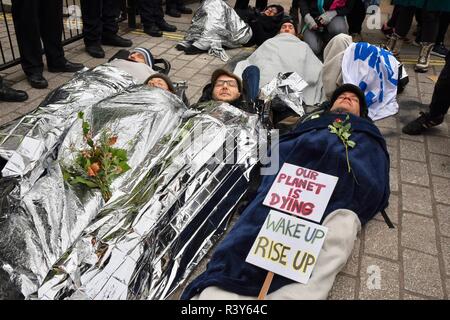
x,y
216,25
146,242
288,88
39,221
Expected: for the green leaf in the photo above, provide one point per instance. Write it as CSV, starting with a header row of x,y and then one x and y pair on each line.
x,y
346,135
125,167
351,143
84,181
80,115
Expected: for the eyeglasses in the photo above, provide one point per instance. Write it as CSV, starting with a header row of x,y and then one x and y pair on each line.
x,y
230,83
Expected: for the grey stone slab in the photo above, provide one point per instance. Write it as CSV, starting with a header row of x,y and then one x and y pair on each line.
x,y
440,166
379,279
422,274
199,63
412,150
192,90
418,138
447,284
200,80
389,122
426,98
391,136
9,117
343,288
393,156
416,199
414,172
393,179
352,265
391,210
440,145
418,233
177,64
441,189
440,130
408,296
380,240
445,247
186,73
443,215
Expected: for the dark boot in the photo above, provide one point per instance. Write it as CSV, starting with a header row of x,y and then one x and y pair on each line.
x,y
173,13
423,122
184,10
116,41
153,31
95,51
394,44
12,95
37,81
164,26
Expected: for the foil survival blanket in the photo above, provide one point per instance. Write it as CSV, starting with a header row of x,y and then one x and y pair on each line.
x,y
144,244
40,220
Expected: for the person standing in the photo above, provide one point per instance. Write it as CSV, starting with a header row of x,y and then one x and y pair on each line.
x,y
11,95
100,26
175,8
35,20
430,12
152,18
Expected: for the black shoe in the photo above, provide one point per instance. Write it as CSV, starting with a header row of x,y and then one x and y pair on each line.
x,y
184,10
423,122
193,50
37,81
116,41
153,31
173,13
95,51
66,67
164,26
11,95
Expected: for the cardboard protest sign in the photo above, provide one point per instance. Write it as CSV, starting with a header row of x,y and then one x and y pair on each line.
x,y
288,246
301,192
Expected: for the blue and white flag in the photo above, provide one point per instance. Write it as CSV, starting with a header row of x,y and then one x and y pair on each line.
x,y
376,72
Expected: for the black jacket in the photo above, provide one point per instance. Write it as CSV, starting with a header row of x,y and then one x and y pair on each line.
x,y
310,6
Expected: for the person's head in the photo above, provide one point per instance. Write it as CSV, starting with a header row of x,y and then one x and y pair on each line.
x,y
159,80
227,86
349,98
288,25
272,10
141,55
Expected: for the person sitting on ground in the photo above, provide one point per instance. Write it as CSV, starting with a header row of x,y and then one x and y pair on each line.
x,y
358,196
138,62
159,80
323,20
439,106
11,95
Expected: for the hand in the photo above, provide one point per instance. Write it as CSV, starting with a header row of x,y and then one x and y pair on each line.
x,y
326,17
310,22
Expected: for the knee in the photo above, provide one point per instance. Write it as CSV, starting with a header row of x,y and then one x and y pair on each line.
x,y
337,25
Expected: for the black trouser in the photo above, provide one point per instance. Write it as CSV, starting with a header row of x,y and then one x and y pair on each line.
x,y
243,4
393,20
440,102
429,19
99,19
173,4
356,17
33,20
444,22
151,12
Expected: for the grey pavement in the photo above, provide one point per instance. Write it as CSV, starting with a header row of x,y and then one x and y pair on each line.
x,y
411,261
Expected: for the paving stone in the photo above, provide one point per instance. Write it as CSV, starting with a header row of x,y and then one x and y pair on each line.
x,y
418,138
391,210
441,187
418,233
343,288
416,199
445,246
412,150
443,215
393,179
422,274
177,64
379,279
439,145
391,136
447,284
393,156
440,166
414,172
408,296
186,73
389,122
380,240
9,117
440,130
352,265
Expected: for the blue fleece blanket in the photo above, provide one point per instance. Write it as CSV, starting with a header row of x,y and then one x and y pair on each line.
x,y
312,146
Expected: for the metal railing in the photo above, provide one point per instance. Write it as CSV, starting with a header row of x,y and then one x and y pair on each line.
x,y
72,30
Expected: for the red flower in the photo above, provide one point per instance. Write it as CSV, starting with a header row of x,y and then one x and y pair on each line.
x,y
338,120
93,169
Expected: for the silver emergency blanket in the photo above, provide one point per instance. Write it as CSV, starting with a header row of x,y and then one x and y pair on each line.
x,y
39,221
288,88
216,25
145,243
55,114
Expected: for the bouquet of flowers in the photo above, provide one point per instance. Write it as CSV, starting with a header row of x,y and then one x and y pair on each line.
x,y
99,164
